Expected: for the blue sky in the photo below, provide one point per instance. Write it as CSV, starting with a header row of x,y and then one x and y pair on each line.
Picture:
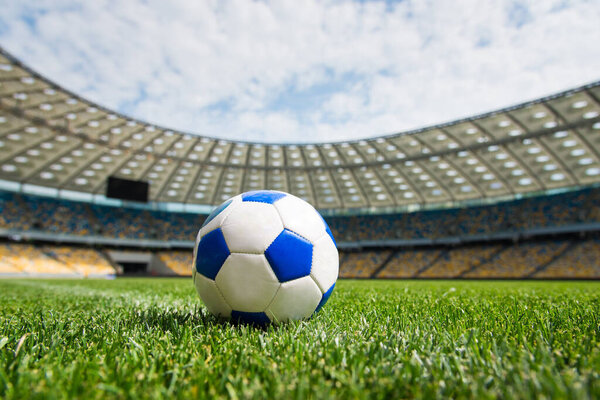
x,y
290,71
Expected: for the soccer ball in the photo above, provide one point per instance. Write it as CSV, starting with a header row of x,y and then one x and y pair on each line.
x,y
265,256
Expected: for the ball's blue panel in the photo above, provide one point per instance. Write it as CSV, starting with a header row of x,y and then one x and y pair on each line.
x,y
217,211
212,253
328,230
259,318
290,256
262,196
325,297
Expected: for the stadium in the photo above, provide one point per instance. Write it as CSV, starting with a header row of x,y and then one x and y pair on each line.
x,y
509,194
447,238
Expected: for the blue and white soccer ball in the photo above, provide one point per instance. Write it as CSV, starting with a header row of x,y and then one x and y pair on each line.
x,y
265,256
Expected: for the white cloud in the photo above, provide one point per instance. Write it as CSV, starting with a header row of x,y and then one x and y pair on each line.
x,y
311,71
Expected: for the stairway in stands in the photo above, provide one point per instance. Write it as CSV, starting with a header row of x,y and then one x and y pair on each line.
x,y
491,258
383,264
572,245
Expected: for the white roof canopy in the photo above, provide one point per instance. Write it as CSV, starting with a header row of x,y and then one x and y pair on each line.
x,y
51,137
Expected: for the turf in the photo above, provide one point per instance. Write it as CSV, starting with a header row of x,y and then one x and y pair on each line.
x,y
148,338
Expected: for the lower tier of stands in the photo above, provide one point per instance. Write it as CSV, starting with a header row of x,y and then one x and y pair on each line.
x,y
541,259
27,260
568,257
180,262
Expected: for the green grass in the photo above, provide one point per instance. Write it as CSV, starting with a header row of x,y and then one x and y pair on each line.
x,y
151,338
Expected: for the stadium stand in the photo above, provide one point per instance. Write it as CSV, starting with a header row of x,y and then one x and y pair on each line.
x,y
472,198
568,258
23,212
51,261
362,264
175,226
408,263
9,264
561,258
581,261
530,213
86,262
32,260
548,259
123,223
458,261
58,216
179,262
519,260
13,213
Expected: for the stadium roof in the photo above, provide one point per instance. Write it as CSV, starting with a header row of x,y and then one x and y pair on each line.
x,y
51,137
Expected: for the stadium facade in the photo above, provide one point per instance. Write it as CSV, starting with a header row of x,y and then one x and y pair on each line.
x,y
413,204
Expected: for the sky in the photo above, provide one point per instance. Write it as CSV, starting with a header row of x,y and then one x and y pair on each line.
x,y
305,70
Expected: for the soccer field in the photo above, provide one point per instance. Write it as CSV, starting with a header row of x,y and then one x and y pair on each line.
x,y
151,337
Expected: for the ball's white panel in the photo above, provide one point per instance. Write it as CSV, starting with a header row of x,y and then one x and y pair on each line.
x,y
325,263
218,220
251,227
247,282
295,299
210,295
300,217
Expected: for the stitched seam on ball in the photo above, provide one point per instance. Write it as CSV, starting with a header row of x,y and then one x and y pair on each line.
x,y
230,207
322,236
313,258
316,283
273,299
280,216
260,254
269,245
281,219
222,296
312,255
305,238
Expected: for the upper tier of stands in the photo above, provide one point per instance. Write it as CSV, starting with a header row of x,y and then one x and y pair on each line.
x,y
26,212
535,212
